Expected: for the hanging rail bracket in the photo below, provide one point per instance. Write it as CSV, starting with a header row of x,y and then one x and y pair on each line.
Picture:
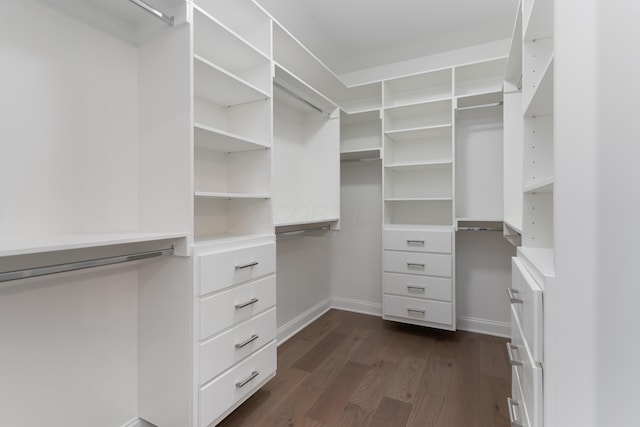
x,y
155,12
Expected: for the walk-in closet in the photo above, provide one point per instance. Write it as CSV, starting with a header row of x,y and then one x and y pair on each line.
x,y
290,213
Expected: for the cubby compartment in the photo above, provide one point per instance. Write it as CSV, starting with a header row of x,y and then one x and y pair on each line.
x,y
250,122
214,43
419,116
418,88
537,77
538,153
419,213
219,218
419,182
431,145
480,77
360,134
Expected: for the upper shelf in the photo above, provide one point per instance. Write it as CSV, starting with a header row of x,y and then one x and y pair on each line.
x,y
480,77
308,98
513,72
223,141
123,18
418,88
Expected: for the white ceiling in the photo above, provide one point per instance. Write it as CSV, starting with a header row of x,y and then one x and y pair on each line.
x,y
351,35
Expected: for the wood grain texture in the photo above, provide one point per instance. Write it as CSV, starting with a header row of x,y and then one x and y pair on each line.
x,y
354,370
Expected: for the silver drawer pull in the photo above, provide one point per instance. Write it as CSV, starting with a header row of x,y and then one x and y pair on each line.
x,y
245,304
249,340
415,310
513,404
244,382
512,360
415,242
250,264
512,296
416,288
415,264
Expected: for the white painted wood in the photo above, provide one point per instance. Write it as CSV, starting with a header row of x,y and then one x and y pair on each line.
x,y
418,287
221,352
418,116
529,373
537,219
480,77
419,88
513,160
216,397
513,70
538,19
360,131
217,269
410,239
218,140
251,121
417,310
245,172
219,218
417,263
529,312
537,77
418,213
516,394
419,182
301,321
431,144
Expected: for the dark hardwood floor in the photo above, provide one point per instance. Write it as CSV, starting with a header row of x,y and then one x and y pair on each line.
x,y
349,369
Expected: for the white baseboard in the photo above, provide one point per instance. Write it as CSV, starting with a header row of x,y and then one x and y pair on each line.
x,y
357,306
137,423
294,326
484,326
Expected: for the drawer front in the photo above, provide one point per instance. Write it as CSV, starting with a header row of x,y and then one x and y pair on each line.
x,y
516,407
223,269
527,304
418,309
227,308
418,240
221,394
221,352
529,374
418,286
417,263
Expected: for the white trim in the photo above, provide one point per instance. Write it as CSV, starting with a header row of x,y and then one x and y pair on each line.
x,y
484,326
357,306
295,325
137,422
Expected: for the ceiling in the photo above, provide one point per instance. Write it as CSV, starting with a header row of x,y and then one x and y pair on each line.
x,y
351,35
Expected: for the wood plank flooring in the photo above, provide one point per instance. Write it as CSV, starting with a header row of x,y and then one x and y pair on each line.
x,y
348,369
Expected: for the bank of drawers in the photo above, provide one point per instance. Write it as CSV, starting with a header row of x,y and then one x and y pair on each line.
x,y
525,350
236,326
418,277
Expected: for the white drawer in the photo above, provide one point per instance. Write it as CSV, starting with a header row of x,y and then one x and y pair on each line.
x,y
526,300
517,411
529,373
418,309
221,394
418,240
222,269
219,353
417,263
220,311
418,286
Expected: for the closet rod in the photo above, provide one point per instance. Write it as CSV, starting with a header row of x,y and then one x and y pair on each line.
x,y
79,265
304,230
480,229
299,98
155,12
475,107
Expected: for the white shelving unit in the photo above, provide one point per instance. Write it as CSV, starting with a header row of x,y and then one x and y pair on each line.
x,y
360,136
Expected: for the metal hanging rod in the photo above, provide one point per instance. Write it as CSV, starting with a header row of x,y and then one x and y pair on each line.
x,y
155,12
304,230
480,229
475,107
79,265
299,98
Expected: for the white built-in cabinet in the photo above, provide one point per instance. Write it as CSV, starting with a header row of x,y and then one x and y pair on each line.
x,y
529,164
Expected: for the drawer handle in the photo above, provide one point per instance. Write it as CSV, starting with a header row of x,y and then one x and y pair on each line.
x,y
512,296
415,242
415,264
416,288
513,404
247,341
251,264
512,360
248,303
244,382
415,310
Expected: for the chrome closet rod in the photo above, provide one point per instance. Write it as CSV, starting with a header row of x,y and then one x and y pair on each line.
x,y
299,98
475,107
304,230
155,12
79,265
480,229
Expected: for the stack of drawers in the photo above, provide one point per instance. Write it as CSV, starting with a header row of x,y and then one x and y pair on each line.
x,y
526,348
417,279
236,348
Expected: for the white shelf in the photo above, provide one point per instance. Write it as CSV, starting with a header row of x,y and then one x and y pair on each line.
x,y
543,185
364,154
418,199
219,140
416,89
206,240
415,133
480,77
419,165
222,88
541,258
421,227
541,101
25,246
222,195
516,227
229,51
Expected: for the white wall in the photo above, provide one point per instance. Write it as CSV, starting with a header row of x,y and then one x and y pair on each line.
x,y
356,250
